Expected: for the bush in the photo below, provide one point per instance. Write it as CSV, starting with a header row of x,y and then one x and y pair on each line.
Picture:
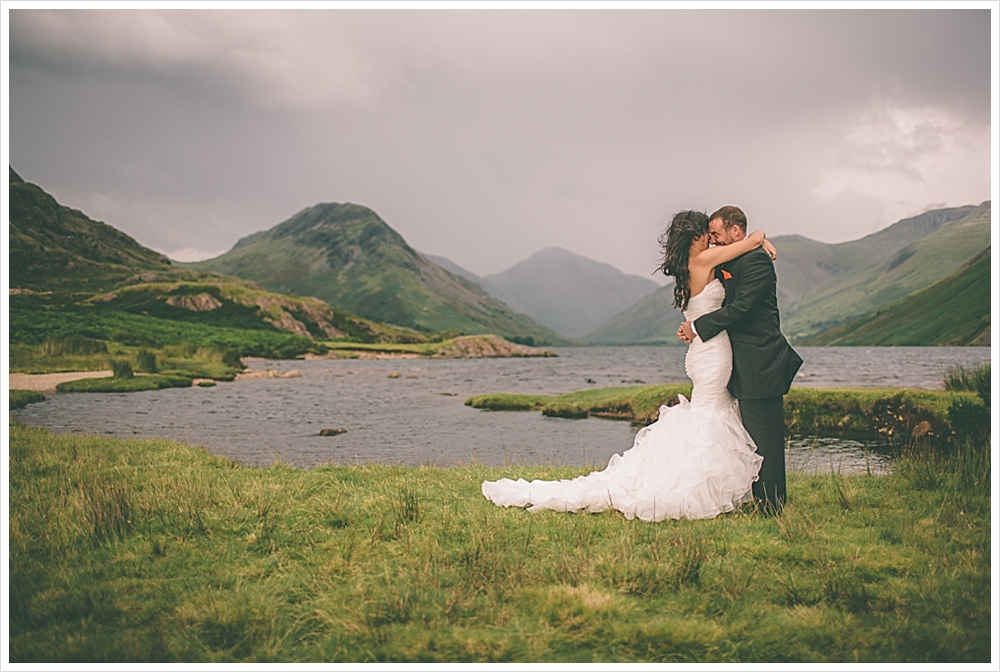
x,y
962,379
231,358
121,369
145,361
983,385
969,421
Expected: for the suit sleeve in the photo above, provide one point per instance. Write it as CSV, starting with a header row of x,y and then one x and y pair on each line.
x,y
756,279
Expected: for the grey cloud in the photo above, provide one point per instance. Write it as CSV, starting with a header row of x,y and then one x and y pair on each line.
x,y
487,135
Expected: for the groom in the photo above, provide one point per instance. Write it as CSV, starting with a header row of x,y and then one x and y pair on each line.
x,y
763,362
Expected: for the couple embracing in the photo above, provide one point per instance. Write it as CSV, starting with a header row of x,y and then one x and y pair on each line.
x,y
726,446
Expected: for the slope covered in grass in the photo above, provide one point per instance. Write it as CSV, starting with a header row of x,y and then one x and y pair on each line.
x,y
52,245
912,268
952,311
652,320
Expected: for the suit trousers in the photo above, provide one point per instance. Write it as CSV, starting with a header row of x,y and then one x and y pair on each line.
x,y
764,420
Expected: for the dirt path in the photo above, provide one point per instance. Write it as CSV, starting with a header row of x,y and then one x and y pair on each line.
x,y
46,382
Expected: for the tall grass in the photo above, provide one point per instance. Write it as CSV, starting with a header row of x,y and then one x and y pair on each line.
x,y
121,369
72,345
135,551
970,379
145,361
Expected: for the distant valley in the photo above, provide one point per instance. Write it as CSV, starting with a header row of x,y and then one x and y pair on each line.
x,y
566,292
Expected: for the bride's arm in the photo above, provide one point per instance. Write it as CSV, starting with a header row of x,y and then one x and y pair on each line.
x,y
720,254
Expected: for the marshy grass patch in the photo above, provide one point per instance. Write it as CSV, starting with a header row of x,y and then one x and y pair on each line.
x,y
118,384
21,398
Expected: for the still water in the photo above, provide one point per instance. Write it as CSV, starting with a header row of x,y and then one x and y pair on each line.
x,y
419,417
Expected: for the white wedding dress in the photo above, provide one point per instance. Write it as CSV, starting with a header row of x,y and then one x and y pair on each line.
x,y
695,461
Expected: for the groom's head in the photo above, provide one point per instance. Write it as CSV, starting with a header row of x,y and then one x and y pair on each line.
x,y
727,225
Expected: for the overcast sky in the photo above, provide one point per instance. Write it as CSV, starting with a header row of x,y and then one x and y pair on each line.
x,y
487,135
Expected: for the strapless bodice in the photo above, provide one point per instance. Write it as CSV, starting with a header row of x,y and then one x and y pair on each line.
x,y
708,300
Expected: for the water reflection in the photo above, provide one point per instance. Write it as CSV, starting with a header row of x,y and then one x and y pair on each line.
x,y
827,455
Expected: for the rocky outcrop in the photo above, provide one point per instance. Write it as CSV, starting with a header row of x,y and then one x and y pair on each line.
x,y
488,345
197,303
277,308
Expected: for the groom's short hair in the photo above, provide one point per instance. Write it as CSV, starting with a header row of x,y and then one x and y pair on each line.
x,y
731,216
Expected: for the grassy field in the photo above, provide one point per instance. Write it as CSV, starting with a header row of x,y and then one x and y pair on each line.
x,y
127,550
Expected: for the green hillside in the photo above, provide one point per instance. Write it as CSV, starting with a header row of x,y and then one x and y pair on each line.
x,y
347,256
652,320
952,311
72,277
871,286
52,245
807,266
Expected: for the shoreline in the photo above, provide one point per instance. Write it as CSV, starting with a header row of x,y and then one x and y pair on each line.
x,y
46,382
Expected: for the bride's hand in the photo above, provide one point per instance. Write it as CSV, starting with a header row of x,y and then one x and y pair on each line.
x,y
769,248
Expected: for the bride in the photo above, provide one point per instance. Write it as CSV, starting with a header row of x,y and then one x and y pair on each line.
x,y
696,460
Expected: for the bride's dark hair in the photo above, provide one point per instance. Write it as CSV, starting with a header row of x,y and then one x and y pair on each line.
x,y
676,245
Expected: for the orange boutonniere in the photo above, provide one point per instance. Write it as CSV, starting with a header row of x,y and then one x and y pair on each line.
x,y
726,275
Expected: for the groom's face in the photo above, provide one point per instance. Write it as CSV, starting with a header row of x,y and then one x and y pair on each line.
x,y
719,235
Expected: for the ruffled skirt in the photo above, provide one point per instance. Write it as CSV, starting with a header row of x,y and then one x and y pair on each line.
x,y
690,463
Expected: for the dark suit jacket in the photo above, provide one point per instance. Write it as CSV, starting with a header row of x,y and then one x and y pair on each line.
x,y
763,362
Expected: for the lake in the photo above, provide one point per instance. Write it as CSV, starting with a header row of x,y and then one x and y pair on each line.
x,y
419,417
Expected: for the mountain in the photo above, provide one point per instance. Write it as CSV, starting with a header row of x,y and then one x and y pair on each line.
x,y
51,244
805,265
822,285
952,311
71,275
346,255
652,320
867,280
567,292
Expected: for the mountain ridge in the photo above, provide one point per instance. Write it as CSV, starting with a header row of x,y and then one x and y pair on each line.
x,y
348,256
63,263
